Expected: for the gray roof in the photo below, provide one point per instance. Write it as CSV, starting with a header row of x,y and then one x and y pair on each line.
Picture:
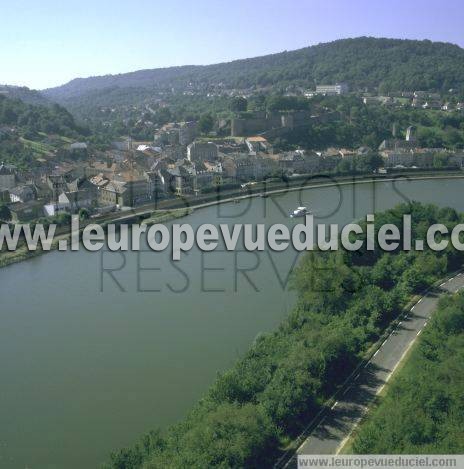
x,y
5,170
22,191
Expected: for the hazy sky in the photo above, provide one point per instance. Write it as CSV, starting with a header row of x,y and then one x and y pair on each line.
x,y
45,43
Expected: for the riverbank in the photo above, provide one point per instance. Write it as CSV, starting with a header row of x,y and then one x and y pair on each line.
x,y
23,254
167,210
290,185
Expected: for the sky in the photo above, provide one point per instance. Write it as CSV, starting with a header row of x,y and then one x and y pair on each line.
x,y
45,43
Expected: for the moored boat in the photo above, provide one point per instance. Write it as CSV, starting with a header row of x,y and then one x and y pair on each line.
x,y
299,212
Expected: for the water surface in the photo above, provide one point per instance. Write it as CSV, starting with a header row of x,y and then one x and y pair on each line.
x,y
87,368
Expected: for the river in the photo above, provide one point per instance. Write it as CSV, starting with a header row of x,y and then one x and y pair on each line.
x,y
91,360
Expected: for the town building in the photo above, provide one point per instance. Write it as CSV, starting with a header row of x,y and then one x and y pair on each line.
x,y
397,144
257,144
73,201
332,90
371,100
181,179
399,157
57,183
7,177
187,132
133,188
70,202
255,123
201,151
111,195
299,162
242,167
23,193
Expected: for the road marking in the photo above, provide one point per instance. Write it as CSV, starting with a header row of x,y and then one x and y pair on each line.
x,y
335,405
441,284
380,389
343,443
366,365
309,437
425,323
347,389
413,307
376,353
383,343
401,322
420,300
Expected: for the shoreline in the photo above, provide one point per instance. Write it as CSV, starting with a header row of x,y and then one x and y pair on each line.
x,y
279,188
341,182
150,215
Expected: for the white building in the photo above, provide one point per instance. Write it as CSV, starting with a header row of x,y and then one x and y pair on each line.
x,y
78,146
338,88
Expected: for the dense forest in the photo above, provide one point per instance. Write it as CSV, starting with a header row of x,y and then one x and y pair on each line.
x,y
36,118
345,301
24,94
423,411
362,62
365,62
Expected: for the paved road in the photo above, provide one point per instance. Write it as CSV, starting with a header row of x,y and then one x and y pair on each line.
x,y
336,425
231,195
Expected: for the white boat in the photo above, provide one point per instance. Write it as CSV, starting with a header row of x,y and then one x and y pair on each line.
x,y
299,212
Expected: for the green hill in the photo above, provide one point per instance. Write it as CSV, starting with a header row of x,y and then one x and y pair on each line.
x,y
24,94
365,62
30,134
